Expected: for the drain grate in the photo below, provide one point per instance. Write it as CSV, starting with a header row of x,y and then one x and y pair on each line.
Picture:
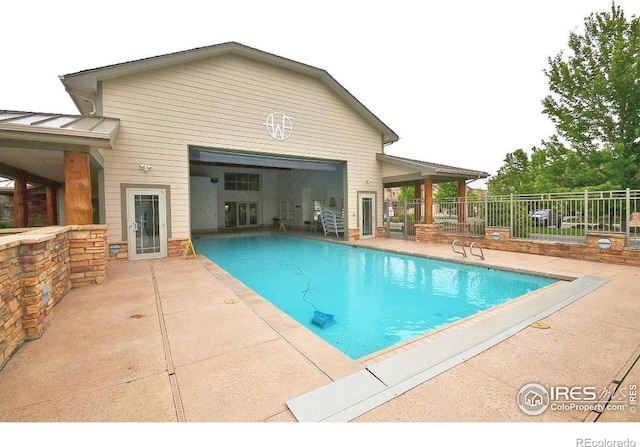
x,y
175,390
177,399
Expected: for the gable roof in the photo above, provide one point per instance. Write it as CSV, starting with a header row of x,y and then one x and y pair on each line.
x,y
83,85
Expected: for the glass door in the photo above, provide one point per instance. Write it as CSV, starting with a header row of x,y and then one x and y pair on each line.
x,y
366,208
253,214
146,222
241,214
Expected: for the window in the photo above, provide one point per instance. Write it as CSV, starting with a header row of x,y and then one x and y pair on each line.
x,y
235,181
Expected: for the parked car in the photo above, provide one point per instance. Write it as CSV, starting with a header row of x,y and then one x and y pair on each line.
x,y
546,218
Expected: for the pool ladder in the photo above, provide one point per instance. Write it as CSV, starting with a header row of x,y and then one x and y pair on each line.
x,y
457,242
453,247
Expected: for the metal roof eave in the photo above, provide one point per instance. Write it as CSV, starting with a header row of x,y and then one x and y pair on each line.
x,y
52,136
433,170
99,132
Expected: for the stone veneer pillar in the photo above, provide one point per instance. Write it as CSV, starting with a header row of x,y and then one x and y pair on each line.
x,y
354,234
426,232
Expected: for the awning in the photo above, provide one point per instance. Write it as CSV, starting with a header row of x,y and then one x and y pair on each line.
x,y
35,142
398,171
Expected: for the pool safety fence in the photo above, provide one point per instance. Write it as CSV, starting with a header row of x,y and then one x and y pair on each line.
x,y
567,217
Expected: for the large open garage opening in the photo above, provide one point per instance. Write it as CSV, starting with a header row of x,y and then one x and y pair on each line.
x,y
233,191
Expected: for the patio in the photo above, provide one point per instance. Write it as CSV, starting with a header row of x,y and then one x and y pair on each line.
x,y
181,340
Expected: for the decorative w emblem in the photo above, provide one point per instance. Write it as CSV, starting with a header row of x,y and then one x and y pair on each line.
x,y
279,126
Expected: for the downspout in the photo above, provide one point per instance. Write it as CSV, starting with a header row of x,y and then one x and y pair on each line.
x,y
89,100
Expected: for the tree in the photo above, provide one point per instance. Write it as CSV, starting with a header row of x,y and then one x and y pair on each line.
x,y
449,190
513,176
595,106
407,193
445,191
595,96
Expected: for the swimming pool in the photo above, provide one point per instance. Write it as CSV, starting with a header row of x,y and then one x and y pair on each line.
x,y
378,298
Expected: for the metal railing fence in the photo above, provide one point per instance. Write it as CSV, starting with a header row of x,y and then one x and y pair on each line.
x,y
561,217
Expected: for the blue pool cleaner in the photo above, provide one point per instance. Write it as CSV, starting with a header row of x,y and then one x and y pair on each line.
x,y
322,320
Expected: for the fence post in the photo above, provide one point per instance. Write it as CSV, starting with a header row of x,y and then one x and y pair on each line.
x,y
486,211
627,218
586,213
385,216
511,214
406,221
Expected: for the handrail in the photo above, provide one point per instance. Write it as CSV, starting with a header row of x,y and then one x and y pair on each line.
x,y
481,255
453,247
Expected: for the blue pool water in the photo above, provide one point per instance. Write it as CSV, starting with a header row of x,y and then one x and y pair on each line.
x,y
377,298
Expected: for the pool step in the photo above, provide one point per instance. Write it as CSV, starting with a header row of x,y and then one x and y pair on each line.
x,y
356,394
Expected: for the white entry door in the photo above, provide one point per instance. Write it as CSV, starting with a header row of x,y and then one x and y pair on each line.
x,y
147,223
367,214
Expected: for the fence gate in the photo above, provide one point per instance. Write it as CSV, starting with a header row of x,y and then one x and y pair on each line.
x,y
400,218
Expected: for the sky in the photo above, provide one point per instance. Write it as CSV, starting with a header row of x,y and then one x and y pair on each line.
x,y
460,81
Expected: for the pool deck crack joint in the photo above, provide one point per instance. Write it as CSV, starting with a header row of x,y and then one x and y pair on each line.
x,y
374,375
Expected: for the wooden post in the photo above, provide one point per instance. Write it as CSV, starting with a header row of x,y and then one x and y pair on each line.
x,y
428,201
462,201
20,201
77,188
52,205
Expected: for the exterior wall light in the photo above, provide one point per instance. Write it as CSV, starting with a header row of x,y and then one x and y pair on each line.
x,y
604,243
368,181
145,167
495,235
46,291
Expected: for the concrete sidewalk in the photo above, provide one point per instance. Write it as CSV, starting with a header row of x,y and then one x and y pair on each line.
x,y
181,340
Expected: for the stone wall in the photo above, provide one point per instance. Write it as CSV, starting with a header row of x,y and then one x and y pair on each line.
x,y
37,268
177,247
591,251
120,250
88,255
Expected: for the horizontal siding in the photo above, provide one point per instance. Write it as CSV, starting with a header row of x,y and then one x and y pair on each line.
x,y
223,103
321,132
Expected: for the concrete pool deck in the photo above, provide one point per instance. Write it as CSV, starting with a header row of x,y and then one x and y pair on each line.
x,y
181,340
